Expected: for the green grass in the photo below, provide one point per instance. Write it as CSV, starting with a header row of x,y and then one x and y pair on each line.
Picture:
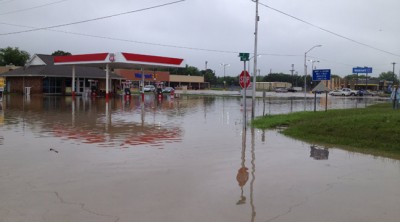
x,y
373,130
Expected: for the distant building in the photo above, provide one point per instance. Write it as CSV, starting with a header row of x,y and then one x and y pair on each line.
x,y
151,77
271,86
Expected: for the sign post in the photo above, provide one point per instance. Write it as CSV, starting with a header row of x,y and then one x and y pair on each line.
x,y
320,75
365,70
244,81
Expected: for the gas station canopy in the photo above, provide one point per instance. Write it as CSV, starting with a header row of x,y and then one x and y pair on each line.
x,y
118,60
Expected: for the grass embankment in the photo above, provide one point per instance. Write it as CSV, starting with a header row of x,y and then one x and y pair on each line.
x,y
374,130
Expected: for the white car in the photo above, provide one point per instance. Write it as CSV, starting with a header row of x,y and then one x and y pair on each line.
x,y
339,93
351,92
149,88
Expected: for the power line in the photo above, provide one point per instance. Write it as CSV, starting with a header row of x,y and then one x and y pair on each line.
x,y
91,20
148,43
35,7
5,2
328,31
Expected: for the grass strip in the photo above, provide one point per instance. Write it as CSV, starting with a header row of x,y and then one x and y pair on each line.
x,y
373,130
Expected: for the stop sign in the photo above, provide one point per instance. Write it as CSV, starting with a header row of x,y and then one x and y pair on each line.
x,y
244,79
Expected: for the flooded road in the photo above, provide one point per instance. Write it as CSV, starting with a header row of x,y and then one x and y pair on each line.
x,y
182,159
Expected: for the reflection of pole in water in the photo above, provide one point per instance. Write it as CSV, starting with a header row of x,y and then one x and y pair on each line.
x,y
142,111
263,136
73,112
242,176
264,94
291,104
253,175
108,116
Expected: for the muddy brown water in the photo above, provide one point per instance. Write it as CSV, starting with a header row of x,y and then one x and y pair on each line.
x,y
182,159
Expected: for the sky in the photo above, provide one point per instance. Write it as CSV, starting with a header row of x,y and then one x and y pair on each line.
x,y
208,33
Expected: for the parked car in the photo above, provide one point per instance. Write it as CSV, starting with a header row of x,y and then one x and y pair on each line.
x,y
281,90
339,93
168,90
351,92
366,93
149,88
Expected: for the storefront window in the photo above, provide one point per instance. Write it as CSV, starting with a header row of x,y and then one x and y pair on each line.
x,y
52,85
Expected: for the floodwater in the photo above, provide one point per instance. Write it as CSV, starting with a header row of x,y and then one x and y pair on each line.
x,y
179,160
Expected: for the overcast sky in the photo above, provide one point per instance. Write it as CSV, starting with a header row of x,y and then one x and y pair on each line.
x,y
357,32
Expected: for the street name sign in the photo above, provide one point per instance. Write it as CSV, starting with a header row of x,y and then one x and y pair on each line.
x,y
321,74
244,56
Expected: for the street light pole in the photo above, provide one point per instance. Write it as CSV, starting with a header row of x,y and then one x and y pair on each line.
x,y
305,72
224,65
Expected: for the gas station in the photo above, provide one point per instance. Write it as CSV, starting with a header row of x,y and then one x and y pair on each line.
x,y
110,61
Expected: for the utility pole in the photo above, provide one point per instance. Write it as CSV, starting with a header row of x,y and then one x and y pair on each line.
x,y
395,89
257,18
394,75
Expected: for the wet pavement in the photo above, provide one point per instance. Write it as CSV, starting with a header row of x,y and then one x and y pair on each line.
x,y
182,159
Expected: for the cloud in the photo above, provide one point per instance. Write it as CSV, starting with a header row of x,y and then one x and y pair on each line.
x,y
215,31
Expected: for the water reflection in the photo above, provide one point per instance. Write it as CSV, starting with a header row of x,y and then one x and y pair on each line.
x,y
243,175
319,153
93,121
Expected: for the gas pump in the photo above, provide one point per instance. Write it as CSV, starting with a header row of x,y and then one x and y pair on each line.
x,y
159,90
94,87
126,86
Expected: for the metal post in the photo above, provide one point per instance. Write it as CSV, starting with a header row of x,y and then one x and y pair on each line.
x,y
142,83
107,78
224,65
73,81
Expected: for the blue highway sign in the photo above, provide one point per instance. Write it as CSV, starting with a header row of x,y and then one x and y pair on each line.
x,y
321,74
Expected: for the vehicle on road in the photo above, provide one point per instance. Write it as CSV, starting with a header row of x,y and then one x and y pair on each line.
x,y
149,88
294,89
366,93
168,90
281,90
339,93
351,92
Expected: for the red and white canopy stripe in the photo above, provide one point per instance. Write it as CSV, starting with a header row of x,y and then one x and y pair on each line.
x,y
120,60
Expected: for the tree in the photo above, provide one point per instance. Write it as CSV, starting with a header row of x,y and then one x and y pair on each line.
x,y
60,53
13,56
388,76
209,76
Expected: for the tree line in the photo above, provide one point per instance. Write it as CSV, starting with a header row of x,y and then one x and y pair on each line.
x,y
17,57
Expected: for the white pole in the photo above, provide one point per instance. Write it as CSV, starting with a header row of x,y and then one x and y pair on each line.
x,y
305,73
107,79
255,61
73,80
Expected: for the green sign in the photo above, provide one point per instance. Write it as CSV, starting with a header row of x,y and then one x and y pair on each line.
x,y
244,56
